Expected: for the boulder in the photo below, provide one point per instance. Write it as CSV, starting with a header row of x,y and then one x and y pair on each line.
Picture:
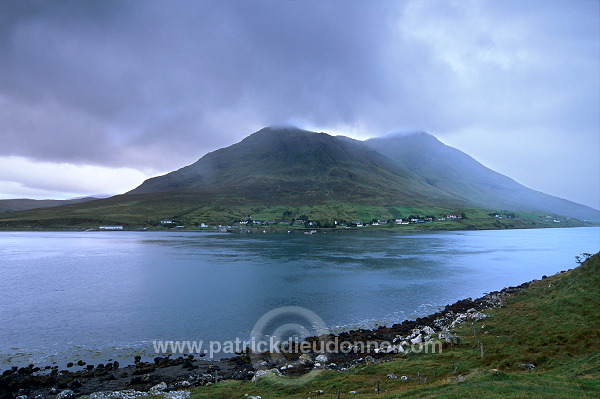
x,y
136,380
305,359
417,340
321,359
428,330
76,384
177,395
527,366
478,316
159,387
262,373
124,394
66,394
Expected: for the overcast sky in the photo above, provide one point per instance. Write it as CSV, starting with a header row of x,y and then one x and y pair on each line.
x,y
96,96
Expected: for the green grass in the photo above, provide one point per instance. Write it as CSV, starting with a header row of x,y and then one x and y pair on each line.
x,y
147,211
554,324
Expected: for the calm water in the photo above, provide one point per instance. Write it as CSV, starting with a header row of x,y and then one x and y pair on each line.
x,y
100,295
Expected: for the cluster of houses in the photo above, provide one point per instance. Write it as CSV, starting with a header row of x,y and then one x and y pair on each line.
x,y
309,223
426,219
298,222
172,223
552,219
374,222
508,215
269,222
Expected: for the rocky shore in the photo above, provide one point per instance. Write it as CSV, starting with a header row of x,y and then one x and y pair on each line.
x,y
172,377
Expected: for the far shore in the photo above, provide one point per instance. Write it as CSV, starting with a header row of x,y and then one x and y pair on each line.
x,y
297,229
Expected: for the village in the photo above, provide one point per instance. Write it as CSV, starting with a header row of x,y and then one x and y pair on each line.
x,y
307,223
304,222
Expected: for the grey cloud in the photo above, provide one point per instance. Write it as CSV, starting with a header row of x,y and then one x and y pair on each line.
x,y
136,69
131,82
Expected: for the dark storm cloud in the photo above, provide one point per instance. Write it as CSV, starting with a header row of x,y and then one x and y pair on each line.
x,y
157,84
127,78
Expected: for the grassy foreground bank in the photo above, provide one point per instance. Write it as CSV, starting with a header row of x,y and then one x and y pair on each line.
x,y
545,342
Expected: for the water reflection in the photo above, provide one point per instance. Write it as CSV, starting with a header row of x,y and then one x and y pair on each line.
x,y
124,289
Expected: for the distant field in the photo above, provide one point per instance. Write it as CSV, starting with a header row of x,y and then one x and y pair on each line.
x,y
146,211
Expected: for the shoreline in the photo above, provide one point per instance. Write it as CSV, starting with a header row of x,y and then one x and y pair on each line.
x,y
284,229
187,371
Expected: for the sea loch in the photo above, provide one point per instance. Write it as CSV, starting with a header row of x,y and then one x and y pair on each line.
x,y
108,295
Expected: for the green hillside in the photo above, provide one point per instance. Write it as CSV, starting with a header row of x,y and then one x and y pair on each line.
x,y
147,210
293,166
456,173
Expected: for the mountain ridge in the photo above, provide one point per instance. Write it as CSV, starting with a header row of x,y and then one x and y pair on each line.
x,y
318,164
289,172
417,162
23,204
456,172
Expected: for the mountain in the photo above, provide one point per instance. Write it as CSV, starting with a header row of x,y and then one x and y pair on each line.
x,y
286,173
22,204
458,174
290,165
